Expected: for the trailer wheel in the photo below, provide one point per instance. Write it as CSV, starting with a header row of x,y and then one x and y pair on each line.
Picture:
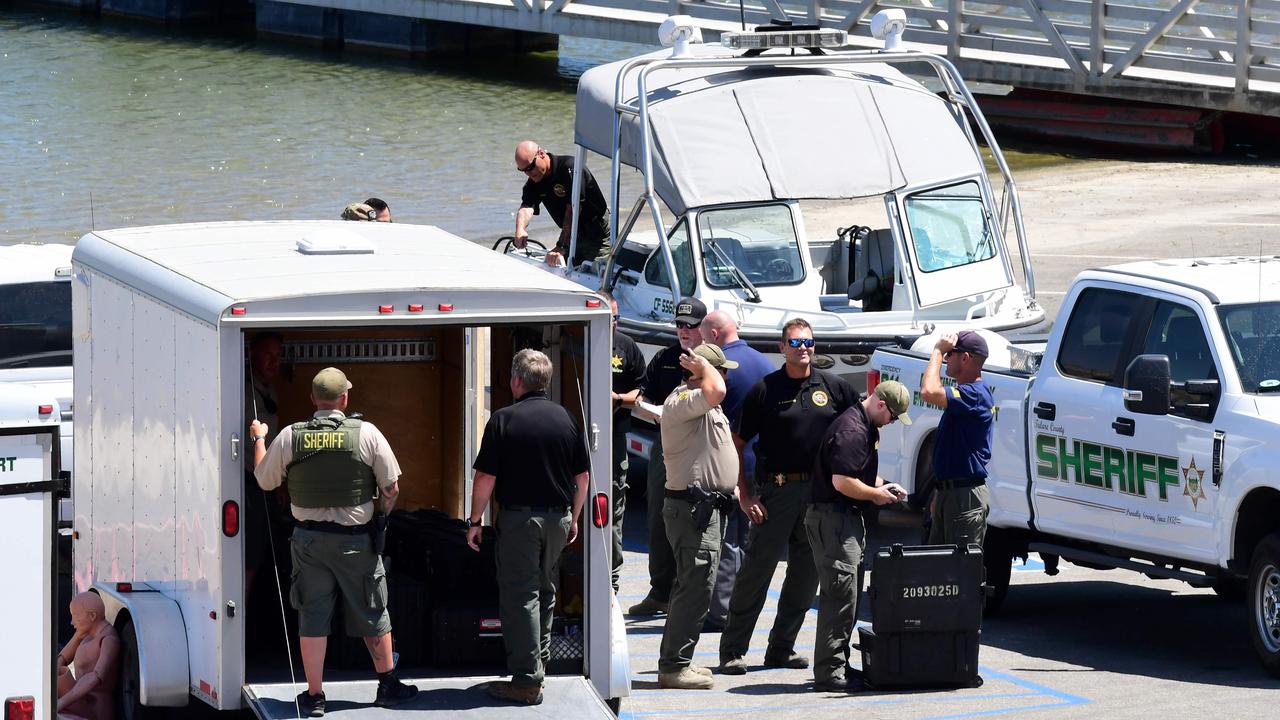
x,y
1264,602
997,561
130,694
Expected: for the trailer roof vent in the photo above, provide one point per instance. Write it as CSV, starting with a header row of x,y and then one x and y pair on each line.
x,y
331,241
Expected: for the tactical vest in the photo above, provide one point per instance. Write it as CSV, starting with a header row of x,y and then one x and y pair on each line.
x,y
327,470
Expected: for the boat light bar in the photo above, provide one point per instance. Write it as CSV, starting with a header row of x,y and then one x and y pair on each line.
x,y
821,38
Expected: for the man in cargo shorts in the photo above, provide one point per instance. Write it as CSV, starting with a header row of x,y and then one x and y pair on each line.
x,y
533,456
962,450
331,464
844,484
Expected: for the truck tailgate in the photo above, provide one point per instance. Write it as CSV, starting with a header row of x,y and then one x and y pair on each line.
x,y
465,697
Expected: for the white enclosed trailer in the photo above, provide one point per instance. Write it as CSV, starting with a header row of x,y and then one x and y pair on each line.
x,y
419,319
29,456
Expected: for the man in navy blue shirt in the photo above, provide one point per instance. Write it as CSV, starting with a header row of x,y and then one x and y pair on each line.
x,y
962,449
720,329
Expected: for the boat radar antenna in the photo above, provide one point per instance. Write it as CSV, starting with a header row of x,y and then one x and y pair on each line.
x,y
676,32
888,25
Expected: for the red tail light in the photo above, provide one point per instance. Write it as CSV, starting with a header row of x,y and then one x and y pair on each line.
x,y
20,708
600,510
593,303
124,587
45,409
230,518
873,379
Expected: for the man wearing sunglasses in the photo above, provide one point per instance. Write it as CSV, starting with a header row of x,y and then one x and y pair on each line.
x,y
549,183
962,449
662,376
790,410
845,483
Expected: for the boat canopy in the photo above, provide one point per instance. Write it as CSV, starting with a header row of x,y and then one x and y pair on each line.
x,y
755,134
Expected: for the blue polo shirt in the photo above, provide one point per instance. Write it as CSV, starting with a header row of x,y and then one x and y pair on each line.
x,y
752,366
963,445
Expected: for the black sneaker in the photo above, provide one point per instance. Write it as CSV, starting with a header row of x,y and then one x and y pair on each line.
x,y
311,705
394,692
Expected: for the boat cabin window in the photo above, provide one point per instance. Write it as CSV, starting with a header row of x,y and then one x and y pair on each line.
x,y
759,241
949,227
655,272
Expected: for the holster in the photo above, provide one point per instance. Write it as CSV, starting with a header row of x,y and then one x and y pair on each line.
x,y
378,532
705,503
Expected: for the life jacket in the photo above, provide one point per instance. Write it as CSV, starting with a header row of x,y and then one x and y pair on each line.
x,y
327,470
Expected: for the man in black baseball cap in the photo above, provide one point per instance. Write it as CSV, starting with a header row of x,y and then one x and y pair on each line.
x,y
690,311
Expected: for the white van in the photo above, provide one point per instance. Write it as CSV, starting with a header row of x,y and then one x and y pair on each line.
x,y
29,457
420,321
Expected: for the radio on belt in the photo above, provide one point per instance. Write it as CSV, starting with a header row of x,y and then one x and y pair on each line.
x,y
926,617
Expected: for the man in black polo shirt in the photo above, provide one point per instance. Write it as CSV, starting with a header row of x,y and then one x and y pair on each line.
x,y
790,409
534,456
550,184
661,377
844,484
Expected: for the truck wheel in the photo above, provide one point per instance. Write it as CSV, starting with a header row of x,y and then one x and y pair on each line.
x,y
1264,602
997,560
130,694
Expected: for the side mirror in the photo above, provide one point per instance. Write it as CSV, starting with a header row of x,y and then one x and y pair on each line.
x,y
1146,385
1201,398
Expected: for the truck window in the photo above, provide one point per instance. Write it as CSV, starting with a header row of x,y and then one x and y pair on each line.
x,y
949,227
655,273
1253,333
35,324
1096,334
1176,331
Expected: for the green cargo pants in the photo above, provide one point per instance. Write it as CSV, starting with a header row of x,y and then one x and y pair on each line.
x,y
782,532
696,554
662,564
960,516
529,548
620,467
838,539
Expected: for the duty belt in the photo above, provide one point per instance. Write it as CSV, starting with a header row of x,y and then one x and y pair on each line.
x,y
781,479
962,483
544,509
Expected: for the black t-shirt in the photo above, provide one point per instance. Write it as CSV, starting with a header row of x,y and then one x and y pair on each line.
x,y
850,447
553,193
662,375
790,416
535,449
628,372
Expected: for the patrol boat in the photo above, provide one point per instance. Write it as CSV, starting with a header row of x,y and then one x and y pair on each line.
x,y
783,174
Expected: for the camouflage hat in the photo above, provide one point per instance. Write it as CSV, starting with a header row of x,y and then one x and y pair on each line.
x,y
715,356
329,384
897,398
359,211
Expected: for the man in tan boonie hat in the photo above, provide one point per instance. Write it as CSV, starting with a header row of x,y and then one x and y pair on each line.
x,y
359,211
715,356
329,384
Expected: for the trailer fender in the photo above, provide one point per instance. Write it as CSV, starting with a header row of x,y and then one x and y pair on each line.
x,y
163,671
619,654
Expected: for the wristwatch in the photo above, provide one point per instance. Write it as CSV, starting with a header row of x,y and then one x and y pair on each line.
x,y
256,438
473,523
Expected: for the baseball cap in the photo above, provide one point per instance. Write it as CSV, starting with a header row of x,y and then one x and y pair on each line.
x,y
329,384
714,355
972,342
897,398
690,310
359,211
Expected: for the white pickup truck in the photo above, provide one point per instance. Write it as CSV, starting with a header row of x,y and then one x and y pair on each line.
x,y
1141,436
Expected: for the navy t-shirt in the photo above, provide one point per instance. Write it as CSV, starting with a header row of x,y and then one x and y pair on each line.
x,y
752,366
963,445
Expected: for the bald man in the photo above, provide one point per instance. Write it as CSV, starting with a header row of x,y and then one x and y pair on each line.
x,y
86,693
549,183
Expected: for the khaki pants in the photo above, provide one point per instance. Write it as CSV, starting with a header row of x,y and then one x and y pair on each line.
x,y
529,548
960,516
696,555
838,539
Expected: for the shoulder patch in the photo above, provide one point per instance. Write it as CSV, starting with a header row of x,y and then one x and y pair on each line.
x,y
955,391
682,395
559,190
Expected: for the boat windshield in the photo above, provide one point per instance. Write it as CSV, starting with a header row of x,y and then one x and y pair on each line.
x,y
35,325
750,246
1253,333
949,227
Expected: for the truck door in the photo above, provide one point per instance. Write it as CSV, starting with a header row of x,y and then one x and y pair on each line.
x,y
1172,512
1080,465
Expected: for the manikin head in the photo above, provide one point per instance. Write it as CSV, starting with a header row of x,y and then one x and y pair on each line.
x,y
86,611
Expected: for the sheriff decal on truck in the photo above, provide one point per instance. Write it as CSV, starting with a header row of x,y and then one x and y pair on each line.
x,y
1105,467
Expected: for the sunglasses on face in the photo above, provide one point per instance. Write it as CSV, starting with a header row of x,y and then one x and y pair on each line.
x,y
682,325
800,342
533,164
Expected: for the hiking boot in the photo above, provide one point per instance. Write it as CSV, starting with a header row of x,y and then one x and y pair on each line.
x,y
522,694
648,607
852,681
733,666
393,692
701,670
686,679
790,661
311,705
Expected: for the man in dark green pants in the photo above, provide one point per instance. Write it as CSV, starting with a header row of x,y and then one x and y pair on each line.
x,y
790,410
844,485
534,457
627,367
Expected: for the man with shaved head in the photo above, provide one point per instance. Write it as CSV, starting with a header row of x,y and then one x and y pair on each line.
x,y
549,183
89,663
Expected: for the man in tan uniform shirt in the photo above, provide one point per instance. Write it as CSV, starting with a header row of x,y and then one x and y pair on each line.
x,y
702,470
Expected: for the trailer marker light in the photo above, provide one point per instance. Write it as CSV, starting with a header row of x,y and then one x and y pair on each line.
x,y
600,510
415,308
124,587
230,518
238,311
873,379
386,308
593,303
20,708
45,409
490,624
445,307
